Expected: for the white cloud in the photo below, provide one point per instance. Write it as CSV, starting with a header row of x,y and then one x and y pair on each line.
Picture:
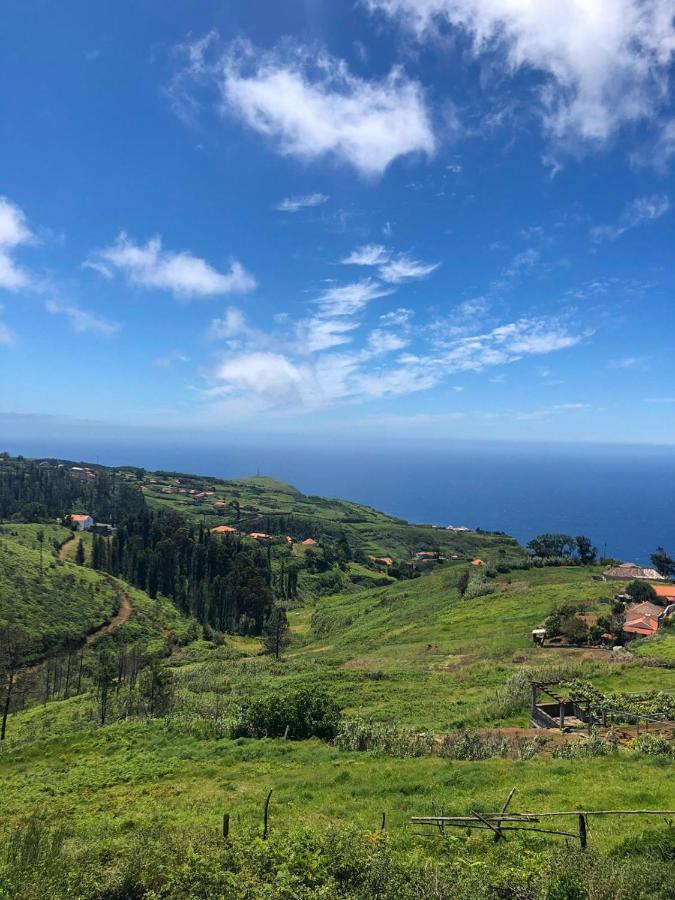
x,y
233,324
311,106
404,268
6,335
81,320
659,400
506,344
382,341
14,232
183,274
394,269
368,255
350,298
317,334
637,212
295,204
605,62
305,376
397,317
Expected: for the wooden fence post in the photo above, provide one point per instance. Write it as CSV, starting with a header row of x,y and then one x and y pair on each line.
x,y
582,831
226,825
384,818
266,816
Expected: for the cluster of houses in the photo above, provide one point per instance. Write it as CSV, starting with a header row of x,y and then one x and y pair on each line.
x,y
640,619
261,536
643,619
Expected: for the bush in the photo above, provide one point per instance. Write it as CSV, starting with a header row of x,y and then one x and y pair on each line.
x,y
583,749
640,591
361,735
472,746
305,713
653,744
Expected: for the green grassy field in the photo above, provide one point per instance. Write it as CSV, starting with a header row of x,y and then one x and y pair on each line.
x,y
134,809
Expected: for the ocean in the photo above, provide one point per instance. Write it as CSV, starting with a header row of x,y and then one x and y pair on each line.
x,y
622,497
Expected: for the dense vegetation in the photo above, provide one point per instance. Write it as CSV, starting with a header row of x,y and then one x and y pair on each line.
x,y
347,688
223,583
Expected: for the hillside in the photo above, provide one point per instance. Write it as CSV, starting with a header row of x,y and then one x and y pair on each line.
x,y
52,604
117,787
143,798
264,504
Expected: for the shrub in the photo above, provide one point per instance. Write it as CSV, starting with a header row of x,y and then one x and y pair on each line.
x,y
382,737
583,749
305,713
640,591
473,746
653,744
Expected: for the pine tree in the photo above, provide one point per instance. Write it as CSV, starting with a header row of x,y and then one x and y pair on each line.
x,y
79,553
276,632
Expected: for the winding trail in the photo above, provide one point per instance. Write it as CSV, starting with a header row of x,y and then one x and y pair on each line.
x,y
124,612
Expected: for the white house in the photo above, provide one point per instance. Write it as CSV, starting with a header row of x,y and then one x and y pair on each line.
x,y
82,522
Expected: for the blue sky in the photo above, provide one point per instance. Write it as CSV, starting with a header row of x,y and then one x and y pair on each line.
x,y
387,220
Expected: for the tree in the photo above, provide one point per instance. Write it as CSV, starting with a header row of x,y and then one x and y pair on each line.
x,y
552,545
463,582
640,591
14,645
41,540
664,564
574,629
586,552
276,632
79,553
155,686
103,675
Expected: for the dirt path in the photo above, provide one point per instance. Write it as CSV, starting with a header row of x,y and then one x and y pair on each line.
x,y
123,614
63,549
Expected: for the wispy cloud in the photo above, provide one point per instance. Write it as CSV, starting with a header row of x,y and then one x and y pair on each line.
x,y
546,411
182,274
316,334
295,204
605,63
310,374
14,232
310,106
350,298
404,268
81,320
368,255
637,212
660,400
392,268
626,362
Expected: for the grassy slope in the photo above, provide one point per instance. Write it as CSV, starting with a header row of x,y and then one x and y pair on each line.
x,y
366,528
424,657
418,653
110,782
60,602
